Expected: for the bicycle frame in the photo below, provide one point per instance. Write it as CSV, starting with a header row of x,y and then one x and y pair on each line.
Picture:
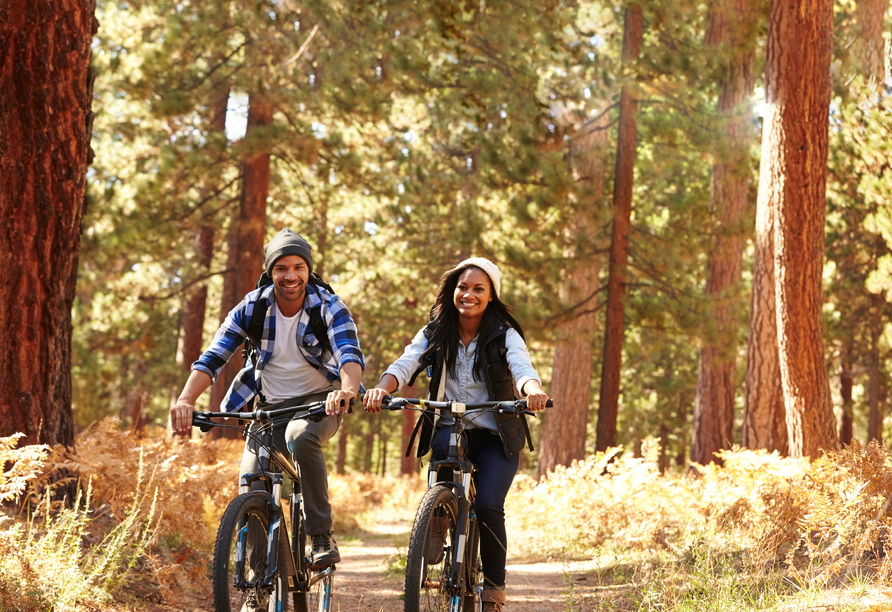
x,y
466,524
462,482
272,465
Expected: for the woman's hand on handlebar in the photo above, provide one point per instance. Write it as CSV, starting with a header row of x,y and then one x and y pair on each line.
x,y
536,396
372,399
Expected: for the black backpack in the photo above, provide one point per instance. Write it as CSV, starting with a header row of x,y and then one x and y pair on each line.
x,y
251,348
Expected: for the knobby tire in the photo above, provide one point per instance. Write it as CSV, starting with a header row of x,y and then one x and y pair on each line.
x,y
248,509
425,574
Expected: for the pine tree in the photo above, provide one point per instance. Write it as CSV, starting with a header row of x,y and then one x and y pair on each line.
x,y
45,125
730,32
608,403
794,147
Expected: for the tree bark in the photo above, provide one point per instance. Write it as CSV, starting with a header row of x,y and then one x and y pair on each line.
x,y
370,446
46,89
246,253
564,431
228,301
874,373
255,190
846,383
730,32
608,402
794,173
870,15
764,416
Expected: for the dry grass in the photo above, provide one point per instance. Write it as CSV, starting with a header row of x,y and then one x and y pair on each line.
x,y
749,535
760,533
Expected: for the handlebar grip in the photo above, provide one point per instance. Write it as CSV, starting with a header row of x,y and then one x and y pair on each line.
x,y
202,421
549,404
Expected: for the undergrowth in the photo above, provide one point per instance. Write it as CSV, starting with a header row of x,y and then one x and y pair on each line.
x,y
44,564
750,535
755,534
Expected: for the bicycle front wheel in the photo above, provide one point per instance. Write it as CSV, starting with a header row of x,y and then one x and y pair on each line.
x,y
240,558
431,545
317,598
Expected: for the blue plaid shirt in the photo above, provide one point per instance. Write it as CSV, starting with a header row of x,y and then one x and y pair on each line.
x,y
231,335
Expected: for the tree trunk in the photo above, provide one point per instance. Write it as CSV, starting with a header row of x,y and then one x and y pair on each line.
x,y
608,402
255,190
564,430
343,432
764,416
794,175
370,447
246,245
45,126
870,14
322,247
228,301
846,383
714,404
382,449
875,412
137,397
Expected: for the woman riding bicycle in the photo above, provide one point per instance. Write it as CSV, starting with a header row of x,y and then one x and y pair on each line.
x,y
471,338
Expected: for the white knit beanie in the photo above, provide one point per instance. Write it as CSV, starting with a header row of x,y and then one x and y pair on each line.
x,y
487,266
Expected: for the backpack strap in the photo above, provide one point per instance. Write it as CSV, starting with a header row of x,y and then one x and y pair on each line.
x,y
251,348
320,329
414,433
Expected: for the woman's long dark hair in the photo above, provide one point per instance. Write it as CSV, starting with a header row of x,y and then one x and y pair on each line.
x,y
444,316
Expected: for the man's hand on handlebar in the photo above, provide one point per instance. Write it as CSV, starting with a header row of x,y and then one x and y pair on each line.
x,y
339,401
181,416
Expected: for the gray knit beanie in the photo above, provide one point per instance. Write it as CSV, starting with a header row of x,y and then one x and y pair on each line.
x,y
287,243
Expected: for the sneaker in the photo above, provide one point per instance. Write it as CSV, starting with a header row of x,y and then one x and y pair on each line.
x,y
437,541
325,550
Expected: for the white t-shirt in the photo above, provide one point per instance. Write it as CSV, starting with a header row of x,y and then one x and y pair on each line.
x,y
288,374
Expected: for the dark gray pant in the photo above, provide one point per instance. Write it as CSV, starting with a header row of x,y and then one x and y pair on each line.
x,y
304,440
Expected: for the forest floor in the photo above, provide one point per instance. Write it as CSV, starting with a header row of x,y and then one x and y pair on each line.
x,y
370,579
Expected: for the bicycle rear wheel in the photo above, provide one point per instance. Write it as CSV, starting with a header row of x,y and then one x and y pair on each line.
x,y
318,597
240,556
429,560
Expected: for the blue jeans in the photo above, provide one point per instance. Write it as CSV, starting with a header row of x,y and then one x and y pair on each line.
x,y
495,473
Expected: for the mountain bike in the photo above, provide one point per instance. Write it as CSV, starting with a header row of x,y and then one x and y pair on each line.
x,y
443,568
256,564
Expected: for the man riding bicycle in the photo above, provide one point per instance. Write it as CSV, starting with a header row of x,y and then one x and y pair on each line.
x,y
293,365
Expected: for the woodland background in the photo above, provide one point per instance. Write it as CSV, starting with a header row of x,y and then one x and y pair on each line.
x,y
631,168
689,203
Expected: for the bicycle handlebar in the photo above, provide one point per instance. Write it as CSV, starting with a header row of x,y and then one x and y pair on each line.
x,y
203,421
504,406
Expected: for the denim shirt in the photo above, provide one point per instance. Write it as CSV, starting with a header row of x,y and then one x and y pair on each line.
x,y
460,385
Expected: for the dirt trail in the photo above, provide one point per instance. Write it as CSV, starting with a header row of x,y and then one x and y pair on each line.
x,y
362,583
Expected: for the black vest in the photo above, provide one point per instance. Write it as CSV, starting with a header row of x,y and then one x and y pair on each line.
x,y
513,428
